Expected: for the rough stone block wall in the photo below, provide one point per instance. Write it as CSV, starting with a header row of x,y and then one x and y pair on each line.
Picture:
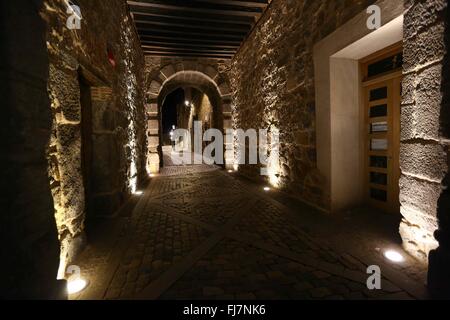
x,y
117,137
272,80
424,120
30,249
205,110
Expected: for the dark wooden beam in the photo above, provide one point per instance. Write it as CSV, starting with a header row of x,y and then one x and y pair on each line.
x,y
189,37
252,4
198,50
142,27
196,17
187,6
183,23
161,42
185,55
194,28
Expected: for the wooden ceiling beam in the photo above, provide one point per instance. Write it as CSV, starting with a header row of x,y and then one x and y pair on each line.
x,y
196,17
186,55
200,50
252,4
189,37
191,31
187,6
161,42
189,24
194,28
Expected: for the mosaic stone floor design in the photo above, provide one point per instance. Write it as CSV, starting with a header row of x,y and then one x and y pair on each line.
x,y
198,232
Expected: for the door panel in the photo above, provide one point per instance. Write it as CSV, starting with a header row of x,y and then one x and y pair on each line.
x,y
382,140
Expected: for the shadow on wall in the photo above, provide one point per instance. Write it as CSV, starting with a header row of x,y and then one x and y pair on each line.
x,y
30,247
439,260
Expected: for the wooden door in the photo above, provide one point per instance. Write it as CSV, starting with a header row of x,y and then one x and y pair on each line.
x,y
382,76
382,142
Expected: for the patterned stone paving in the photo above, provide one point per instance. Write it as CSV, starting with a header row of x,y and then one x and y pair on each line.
x,y
158,186
235,271
204,234
270,224
161,240
184,170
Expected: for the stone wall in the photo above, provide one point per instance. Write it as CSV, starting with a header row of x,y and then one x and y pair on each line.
x,y
204,111
424,120
97,151
183,114
272,79
30,249
272,82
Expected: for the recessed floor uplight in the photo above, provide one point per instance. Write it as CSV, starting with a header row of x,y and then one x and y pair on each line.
x,y
266,189
138,193
151,175
230,171
393,256
76,285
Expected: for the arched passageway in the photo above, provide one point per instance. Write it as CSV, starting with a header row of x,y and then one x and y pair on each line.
x,y
191,112
202,85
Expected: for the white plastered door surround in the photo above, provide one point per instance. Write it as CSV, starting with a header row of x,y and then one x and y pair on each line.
x,y
339,116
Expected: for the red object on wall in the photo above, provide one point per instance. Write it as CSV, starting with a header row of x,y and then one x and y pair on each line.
x,y
111,58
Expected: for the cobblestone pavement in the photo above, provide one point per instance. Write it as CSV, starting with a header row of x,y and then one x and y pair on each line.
x,y
200,233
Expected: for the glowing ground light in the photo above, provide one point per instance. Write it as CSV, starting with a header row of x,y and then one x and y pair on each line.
x,y
138,193
76,285
393,256
230,171
266,189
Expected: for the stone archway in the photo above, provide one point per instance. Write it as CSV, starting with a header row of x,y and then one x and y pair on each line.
x,y
170,77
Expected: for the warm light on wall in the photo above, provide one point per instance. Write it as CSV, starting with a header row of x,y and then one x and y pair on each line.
x,y
131,94
274,180
62,266
273,165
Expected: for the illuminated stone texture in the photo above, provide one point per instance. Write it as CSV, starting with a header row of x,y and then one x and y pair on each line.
x,y
30,249
423,156
272,82
425,139
272,79
116,141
